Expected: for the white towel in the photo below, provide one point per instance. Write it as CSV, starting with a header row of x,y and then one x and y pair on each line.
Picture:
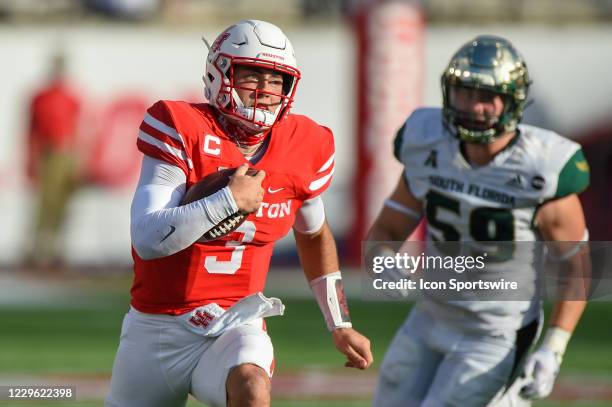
x,y
212,320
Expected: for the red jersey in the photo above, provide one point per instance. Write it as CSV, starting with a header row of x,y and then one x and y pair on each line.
x,y
299,164
54,115
54,118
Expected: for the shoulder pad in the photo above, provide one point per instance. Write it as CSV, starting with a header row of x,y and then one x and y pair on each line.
x,y
423,127
560,160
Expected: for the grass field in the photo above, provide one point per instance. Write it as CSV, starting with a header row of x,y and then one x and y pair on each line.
x,y
77,338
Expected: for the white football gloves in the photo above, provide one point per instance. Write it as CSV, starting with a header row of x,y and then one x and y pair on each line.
x,y
541,370
542,366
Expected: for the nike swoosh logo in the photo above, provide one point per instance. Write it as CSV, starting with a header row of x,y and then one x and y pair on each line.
x,y
273,191
172,229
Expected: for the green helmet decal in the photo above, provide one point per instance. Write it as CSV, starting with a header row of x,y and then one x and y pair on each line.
x,y
493,64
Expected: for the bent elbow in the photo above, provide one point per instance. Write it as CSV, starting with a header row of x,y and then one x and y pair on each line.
x,y
144,251
141,242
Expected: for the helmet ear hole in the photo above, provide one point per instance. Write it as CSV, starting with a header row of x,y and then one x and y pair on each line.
x,y
210,77
223,100
223,63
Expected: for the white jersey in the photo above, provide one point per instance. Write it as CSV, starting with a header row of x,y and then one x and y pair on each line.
x,y
496,202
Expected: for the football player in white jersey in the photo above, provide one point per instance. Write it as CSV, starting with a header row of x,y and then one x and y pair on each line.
x,y
477,175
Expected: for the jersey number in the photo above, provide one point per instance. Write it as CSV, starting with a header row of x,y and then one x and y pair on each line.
x,y
231,266
485,225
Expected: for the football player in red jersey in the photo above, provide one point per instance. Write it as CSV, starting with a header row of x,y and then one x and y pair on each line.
x,y
196,319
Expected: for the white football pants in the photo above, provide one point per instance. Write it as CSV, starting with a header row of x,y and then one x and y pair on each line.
x,y
432,364
159,361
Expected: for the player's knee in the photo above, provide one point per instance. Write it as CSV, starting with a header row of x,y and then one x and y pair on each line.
x,y
248,385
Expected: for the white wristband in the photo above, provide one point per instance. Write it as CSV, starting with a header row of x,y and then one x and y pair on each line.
x,y
329,293
556,339
220,205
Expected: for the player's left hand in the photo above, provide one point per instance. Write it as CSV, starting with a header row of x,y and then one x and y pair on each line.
x,y
355,346
541,370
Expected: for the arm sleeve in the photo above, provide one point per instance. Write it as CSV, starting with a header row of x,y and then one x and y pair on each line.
x,y
159,138
310,217
159,227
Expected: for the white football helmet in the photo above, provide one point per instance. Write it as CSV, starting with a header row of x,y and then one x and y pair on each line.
x,y
253,43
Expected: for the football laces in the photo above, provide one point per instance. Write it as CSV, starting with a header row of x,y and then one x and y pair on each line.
x,y
224,227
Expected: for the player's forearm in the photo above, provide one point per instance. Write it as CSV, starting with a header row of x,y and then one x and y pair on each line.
x,y
399,217
566,314
164,232
392,227
570,306
159,225
561,223
320,263
573,284
317,252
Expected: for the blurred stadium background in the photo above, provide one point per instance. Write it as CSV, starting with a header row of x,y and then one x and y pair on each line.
x,y
365,66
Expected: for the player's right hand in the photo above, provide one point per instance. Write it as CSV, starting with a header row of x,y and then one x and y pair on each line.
x,y
246,189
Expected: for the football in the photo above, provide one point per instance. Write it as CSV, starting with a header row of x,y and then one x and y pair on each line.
x,y
207,186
